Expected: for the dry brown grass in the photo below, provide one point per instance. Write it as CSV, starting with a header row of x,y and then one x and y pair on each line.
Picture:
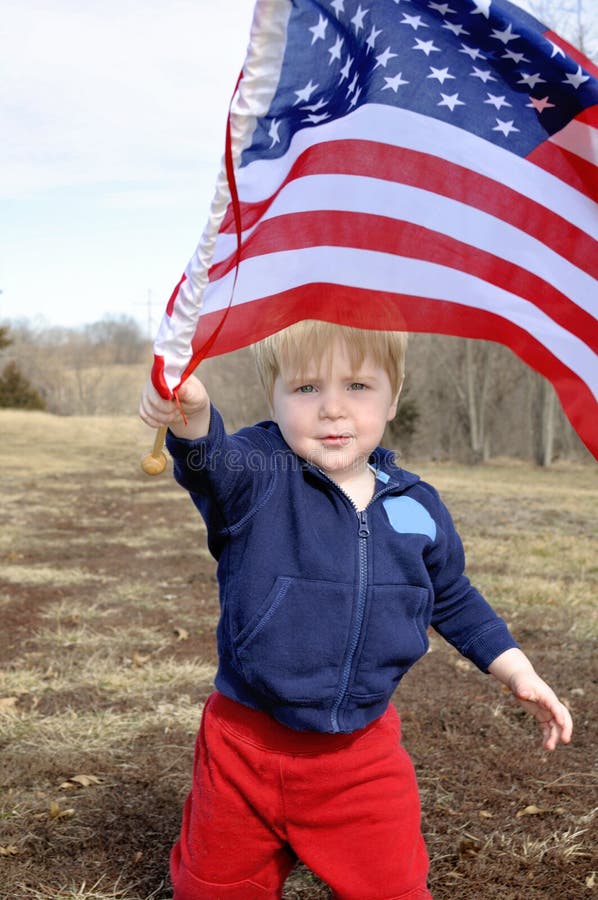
x,y
108,601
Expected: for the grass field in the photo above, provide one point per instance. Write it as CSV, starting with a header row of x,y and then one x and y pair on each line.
x,y
108,606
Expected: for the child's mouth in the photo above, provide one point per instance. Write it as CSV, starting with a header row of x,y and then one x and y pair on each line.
x,y
336,440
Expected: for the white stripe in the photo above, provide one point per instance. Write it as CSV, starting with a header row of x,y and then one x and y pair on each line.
x,y
580,139
349,193
404,128
266,275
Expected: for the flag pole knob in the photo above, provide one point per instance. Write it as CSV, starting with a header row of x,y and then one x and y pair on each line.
x,y
154,463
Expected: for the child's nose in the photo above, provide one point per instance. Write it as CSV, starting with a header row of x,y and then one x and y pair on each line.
x,y
332,404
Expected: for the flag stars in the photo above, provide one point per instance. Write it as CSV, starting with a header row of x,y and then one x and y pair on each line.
x,y
517,58
319,31
531,80
335,50
540,104
556,50
457,30
346,68
426,47
472,52
442,8
374,33
273,132
483,74
450,100
351,87
315,106
395,83
338,6
315,119
482,7
354,98
505,127
414,21
384,58
305,93
358,18
496,101
504,36
440,74
576,79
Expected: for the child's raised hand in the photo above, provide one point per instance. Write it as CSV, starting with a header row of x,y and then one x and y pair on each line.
x,y
537,698
194,402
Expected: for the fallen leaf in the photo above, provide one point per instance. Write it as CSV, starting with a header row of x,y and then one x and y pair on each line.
x,y
469,847
85,780
9,850
8,706
591,880
139,661
57,813
138,857
181,634
484,814
530,811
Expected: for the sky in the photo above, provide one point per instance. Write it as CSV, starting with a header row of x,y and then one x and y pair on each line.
x,y
113,119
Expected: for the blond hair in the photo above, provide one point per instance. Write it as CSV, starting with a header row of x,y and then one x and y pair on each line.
x,y
295,347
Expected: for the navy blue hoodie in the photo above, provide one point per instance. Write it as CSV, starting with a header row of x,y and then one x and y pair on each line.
x,y
324,608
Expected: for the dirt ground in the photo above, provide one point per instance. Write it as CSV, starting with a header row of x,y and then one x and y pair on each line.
x,y
108,605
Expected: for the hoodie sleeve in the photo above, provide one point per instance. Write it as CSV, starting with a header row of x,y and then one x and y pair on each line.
x,y
461,614
227,475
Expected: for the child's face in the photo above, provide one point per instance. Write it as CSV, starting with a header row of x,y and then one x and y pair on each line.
x,y
332,415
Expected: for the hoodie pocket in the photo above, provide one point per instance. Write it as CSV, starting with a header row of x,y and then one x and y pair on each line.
x,y
292,649
394,636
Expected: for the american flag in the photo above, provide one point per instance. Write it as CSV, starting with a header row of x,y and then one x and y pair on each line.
x,y
404,164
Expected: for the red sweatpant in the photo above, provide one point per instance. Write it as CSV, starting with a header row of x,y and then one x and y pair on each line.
x,y
264,795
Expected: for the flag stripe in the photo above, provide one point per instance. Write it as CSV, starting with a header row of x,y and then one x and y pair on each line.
x,y
353,306
446,179
372,197
406,239
438,140
383,273
578,138
567,166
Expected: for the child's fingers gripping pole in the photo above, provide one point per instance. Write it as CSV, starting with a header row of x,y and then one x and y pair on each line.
x,y
154,463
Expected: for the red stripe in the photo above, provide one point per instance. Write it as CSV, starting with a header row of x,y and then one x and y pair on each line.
x,y
158,380
251,322
573,52
354,230
421,170
569,167
173,296
589,116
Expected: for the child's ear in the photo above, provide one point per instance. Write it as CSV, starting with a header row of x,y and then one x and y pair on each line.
x,y
392,411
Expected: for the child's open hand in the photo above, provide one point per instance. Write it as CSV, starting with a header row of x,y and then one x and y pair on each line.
x,y
514,670
537,698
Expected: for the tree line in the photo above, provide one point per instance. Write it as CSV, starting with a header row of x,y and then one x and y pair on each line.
x,y
463,400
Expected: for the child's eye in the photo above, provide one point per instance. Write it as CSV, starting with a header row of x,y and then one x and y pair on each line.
x,y
306,389
357,386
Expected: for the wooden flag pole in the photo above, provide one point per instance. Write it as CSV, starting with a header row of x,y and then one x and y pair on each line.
x,y
154,463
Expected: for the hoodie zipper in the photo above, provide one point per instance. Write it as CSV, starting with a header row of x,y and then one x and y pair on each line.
x,y
363,532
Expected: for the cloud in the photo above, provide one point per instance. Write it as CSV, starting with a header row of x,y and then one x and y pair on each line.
x,y
119,91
